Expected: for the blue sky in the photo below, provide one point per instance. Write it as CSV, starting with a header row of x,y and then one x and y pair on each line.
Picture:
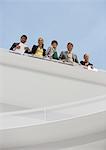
x,y
83,22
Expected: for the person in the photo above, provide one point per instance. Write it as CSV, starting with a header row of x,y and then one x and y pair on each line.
x,y
68,55
38,50
52,50
21,46
86,62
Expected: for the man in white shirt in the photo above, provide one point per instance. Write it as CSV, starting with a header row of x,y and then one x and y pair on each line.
x,y
20,47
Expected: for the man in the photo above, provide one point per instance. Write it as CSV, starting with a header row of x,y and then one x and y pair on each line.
x,y
68,55
52,50
86,62
20,47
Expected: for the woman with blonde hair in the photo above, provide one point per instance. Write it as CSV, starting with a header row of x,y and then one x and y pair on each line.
x,y
38,50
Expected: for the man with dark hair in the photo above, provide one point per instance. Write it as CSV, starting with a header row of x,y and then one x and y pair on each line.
x,y
54,42
20,47
52,50
68,55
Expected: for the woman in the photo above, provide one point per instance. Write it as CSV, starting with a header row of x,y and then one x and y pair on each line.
x,y
38,50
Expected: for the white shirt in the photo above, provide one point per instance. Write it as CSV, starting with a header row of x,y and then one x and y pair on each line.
x,y
70,57
22,48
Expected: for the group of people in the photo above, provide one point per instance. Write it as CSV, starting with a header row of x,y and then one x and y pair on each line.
x,y
52,52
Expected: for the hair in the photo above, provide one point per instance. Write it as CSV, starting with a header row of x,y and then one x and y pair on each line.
x,y
24,36
43,41
86,54
40,38
69,43
54,41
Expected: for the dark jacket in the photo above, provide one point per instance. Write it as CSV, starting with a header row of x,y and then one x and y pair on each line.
x,y
64,55
83,63
34,49
13,46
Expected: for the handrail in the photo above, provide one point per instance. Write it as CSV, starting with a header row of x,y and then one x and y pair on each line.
x,y
70,72
45,58
52,60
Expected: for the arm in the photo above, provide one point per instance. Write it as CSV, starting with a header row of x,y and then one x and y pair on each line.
x,y
27,50
44,52
75,58
81,62
13,47
34,48
61,56
48,51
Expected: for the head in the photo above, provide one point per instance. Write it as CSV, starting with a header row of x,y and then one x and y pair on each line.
x,y
86,57
23,39
40,41
69,47
54,44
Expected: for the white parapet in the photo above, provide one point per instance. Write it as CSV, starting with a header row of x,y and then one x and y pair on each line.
x,y
32,83
45,101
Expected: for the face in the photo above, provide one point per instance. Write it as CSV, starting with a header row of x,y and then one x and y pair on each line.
x,y
69,47
54,45
40,41
86,58
23,39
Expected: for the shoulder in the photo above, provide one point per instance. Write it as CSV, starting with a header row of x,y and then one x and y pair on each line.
x,y
44,49
82,62
74,55
90,64
64,52
15,44
49,48
34,47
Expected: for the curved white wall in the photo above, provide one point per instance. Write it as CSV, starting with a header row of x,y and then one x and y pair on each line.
x,y
31,82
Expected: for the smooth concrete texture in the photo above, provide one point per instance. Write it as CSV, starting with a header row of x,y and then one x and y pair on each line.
x,y
31,82
99,144
9,108
50,105
53,131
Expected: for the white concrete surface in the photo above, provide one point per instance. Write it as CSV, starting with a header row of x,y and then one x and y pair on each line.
x,y
46,105
8,108
31,82
68,145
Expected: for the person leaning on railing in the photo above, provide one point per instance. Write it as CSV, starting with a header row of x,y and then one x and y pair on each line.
x,y
20,47
68,56
86,62
38,50
52,50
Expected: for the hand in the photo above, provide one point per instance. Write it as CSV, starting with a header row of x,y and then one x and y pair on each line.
x,y
27,49
63,60
17,47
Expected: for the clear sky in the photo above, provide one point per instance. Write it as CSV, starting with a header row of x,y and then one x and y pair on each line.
x,y
83,22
